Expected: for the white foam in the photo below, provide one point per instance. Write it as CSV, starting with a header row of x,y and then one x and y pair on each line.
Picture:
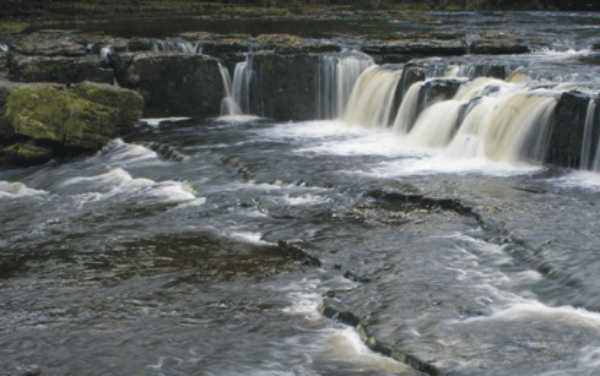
x,y
248,237
237,119
118,152
345,343
373,142
118,181
305,304
532,310
17,189
440,164
579,179
156,122
312,129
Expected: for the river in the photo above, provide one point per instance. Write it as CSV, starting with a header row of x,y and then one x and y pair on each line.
x,y
218,246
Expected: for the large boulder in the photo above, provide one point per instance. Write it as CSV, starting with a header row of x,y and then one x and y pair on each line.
x,y
40,121
284,86
60,117
128,103
63,69
567,130
174,83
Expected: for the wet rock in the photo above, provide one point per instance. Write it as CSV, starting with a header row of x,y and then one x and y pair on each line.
x,y
567,129
411,73
228,47
140,44
436,90
344,317
3,64
295,252
25,154
402,50
292,44
486,70
398,201
285,86
498,43
49,44
165,151
58,69
175,84
332,310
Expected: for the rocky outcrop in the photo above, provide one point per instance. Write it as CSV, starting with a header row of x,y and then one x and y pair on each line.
x,y
38,122
404,49
285,86
436,90
56,57
567,130
498,43
173,83
62,69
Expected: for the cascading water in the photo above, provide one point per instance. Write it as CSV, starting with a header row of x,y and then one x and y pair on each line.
x,y
242,81
228,104
336,76
372,97
177,44
407,114
586,161
486,118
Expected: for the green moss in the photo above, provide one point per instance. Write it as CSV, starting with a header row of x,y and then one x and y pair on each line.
x,y
128,103
37,113
26,153
57,116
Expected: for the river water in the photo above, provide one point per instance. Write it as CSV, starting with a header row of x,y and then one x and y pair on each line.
x,y
211,247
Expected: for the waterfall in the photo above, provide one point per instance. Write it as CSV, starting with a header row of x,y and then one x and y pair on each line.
x,y
242,81
436,125
228,104
585,161
486,118
372,97
407,113
177,44
336,76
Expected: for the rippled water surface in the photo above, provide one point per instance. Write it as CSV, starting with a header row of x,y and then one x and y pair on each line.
x,y
132,261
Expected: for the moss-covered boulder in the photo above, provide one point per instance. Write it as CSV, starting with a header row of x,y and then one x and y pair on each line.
x,y
58,69
60,117
128,103
175,83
